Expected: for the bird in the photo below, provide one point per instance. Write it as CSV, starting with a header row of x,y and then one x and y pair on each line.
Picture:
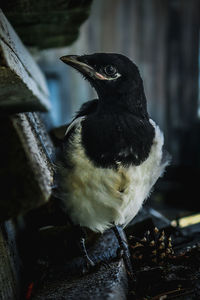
x,y
112,151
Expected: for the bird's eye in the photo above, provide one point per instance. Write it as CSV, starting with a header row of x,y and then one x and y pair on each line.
x,y
110,70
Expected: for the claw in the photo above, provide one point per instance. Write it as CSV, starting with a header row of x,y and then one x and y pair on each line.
x,y
120,253
105,264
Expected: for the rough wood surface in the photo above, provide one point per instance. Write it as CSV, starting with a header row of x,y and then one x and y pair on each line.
x,y
22,84
26,175
107,284
46,24
57,272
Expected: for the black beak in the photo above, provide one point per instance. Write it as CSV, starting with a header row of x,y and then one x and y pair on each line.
x,y
73,61
83,67
69,59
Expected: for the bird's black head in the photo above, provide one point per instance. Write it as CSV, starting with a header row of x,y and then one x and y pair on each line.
x,y
115,78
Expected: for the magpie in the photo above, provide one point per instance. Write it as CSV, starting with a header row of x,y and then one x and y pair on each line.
x,y
112,152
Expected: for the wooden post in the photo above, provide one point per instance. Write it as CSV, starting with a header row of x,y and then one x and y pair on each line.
x,y
25,175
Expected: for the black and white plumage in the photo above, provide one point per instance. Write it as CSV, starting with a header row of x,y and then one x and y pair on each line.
x,y
112,152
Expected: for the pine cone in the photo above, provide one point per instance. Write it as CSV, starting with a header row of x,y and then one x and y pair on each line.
x,y
154,248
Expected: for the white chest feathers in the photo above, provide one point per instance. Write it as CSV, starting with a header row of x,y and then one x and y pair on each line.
x,y
97,198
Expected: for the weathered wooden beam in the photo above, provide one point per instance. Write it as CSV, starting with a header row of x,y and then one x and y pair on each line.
x,y
56,245
45,24
26,175
22,84
107,284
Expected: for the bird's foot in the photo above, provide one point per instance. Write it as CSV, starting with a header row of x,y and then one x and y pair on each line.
x,y
120,252
88,262
95,267
104,264
123,251
88,265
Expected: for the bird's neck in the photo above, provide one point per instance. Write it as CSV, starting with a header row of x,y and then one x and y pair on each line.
x,y
118,103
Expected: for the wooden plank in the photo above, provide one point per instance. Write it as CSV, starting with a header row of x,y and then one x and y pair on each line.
x,y
104,283
26,176
22,84
65,281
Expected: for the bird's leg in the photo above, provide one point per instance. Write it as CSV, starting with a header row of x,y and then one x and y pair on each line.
x,y
124,250
90,263
82,237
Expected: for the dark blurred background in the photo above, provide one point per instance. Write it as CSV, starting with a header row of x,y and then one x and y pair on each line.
x,y
162,38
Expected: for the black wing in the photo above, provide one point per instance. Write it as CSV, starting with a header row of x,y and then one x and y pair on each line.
x,y
87,108
61,135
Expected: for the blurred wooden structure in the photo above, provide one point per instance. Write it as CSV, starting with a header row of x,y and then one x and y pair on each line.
x,y
47,24
22,84
26,175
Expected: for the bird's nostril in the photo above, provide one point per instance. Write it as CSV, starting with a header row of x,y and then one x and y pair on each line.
x,y
82,60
